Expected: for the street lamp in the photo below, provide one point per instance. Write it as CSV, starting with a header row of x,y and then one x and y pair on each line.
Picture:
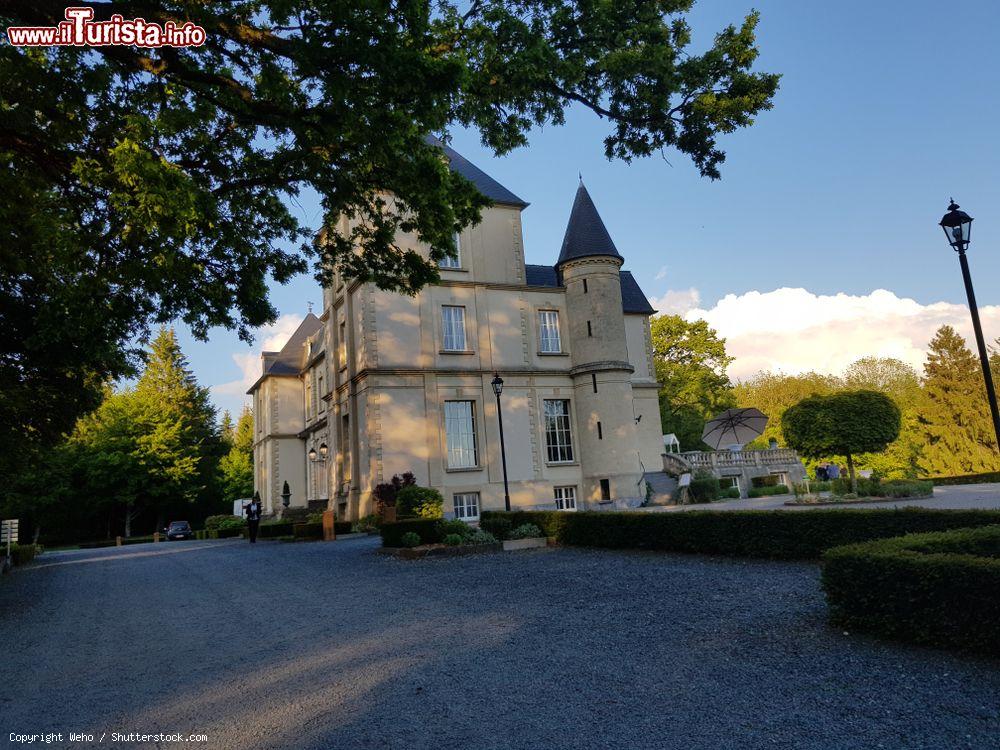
x,y
286,495
497,384
323,450
957,226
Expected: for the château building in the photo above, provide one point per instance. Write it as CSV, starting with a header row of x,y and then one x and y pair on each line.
x,y
381,384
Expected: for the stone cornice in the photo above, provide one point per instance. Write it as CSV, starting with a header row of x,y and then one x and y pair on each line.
x,y
605,366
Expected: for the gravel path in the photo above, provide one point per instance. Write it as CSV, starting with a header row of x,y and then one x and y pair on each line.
x,y
331,646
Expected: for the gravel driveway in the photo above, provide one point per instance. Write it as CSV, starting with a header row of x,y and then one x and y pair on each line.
x,y
317,645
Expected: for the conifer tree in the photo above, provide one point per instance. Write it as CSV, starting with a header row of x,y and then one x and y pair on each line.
x,y
153,447
236,467
954,414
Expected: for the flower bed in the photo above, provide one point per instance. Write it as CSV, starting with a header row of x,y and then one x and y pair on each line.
x,y
939,589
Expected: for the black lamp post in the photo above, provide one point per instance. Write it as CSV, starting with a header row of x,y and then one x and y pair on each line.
x,y
957,226
497,384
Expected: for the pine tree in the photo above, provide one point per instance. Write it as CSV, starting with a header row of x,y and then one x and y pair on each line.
x,y
236,467
954,414
154,447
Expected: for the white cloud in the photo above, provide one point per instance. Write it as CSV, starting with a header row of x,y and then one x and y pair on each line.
x,y
271,339
795,330
661,274
677,301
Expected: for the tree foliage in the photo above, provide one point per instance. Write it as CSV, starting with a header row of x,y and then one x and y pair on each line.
x,y
844,423
160,184
236,467
690,361
151,448
954,416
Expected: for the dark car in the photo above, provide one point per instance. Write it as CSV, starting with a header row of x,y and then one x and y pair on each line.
x,y
179,530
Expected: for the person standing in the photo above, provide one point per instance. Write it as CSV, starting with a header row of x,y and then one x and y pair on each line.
x,y
253,511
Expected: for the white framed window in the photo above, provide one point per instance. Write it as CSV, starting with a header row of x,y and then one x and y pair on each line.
x,y
565,498
456,262
460,434
466,505
558,441
453,322
548,332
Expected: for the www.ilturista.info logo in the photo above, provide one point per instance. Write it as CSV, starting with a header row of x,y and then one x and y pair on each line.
x,y
80,30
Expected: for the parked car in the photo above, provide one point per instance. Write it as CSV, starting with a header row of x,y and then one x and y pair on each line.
x,y
179,530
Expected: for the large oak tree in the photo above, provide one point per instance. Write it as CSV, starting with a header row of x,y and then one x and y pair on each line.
x,y
149,185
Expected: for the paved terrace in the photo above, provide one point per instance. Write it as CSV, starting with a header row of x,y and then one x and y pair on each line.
x,y
319,645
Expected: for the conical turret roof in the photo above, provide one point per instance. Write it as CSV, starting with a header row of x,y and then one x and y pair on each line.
x,y
586,234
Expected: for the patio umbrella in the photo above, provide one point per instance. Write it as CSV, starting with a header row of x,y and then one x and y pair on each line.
x,y
734,427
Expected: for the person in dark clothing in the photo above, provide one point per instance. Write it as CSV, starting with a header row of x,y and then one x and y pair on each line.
x,y
252,511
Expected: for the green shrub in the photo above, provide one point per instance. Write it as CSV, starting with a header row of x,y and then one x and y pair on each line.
x,y
498,526
731,493
414,501
367,524
874,487
453,540
22,554
990,476
409,539
97,545
425,528
776,534
480,537
939,589
316,517
768,490
704,488
224,521
140,539
307,530
226,533
526,531
343,527
453,526
769,480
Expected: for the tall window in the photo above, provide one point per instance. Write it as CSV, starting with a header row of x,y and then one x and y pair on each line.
x,y
548,332
345,442
449,262
453,319
322,403
342,346
565,498
558,442
460,434
466,505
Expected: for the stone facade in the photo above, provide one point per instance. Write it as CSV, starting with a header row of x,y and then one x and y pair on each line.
x,y
390,384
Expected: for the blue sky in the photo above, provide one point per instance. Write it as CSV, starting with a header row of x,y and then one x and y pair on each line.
x,y
885,110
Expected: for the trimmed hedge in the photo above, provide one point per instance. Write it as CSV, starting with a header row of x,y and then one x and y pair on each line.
x,y
307,531
989,476
940,589
775,534
425,528
342,527
768,490
272,530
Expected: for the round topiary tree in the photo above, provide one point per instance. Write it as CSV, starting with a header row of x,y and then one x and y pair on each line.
x,y
842,423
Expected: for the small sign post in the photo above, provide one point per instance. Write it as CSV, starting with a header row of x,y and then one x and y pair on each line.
x,y
8,533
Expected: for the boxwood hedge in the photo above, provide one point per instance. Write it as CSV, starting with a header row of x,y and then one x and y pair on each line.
x,y
307,530
776,534
425,528
939,589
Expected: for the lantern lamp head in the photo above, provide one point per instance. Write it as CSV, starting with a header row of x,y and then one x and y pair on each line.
x,y
497,384
957,226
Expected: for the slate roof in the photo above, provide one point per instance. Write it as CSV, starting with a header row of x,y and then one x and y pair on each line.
x,y
292,357
483,182
586,235
633,299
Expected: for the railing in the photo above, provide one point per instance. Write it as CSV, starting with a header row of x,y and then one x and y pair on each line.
x,y
674,464
738,459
